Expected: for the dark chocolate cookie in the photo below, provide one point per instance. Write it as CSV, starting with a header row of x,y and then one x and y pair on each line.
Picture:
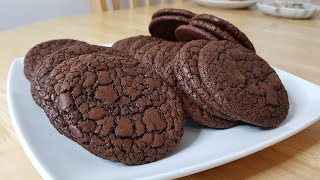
x,y
125,44
51,87
36,55
165,26
226,27
190,82
141,52
202,117
149,57
188,33
53,83
58,57
172,11
243,84
140,43
214,30
163,59
117,110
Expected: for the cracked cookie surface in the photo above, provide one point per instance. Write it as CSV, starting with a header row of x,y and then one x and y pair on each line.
x,y
190,82
226,28
163,60
142,51
203,117
35,56
125,44
244,85
58,57
140,43
150,55
118,110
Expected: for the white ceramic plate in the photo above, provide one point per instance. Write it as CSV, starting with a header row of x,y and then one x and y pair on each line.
x,y
309,11
56,157
226,4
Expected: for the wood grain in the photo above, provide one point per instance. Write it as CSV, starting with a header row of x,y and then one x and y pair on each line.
x,y
292,45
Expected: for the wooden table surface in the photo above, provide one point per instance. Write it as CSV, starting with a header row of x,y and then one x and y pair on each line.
x,y
292,45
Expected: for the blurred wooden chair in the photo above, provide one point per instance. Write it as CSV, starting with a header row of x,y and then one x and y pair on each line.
x,y
101,5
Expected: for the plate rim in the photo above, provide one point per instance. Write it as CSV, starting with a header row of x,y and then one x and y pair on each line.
x,y
45,174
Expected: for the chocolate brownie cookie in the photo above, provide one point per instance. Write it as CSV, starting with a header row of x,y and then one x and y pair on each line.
x,y
243,84
188,33
172,11
202,117
117,110
214,30
58,57
125,44
163,59
190,82
165,26
140,43
141,52
165,21
225,28
150,55
53,83
37,54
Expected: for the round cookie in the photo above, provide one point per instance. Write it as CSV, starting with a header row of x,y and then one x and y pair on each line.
x,y
150,55
36,55
214,30
53,83
243,84
141,52
190,82
165,26
133,117
125,44
202,117
163,59
172,11
188,33
227,27
140,43
58,57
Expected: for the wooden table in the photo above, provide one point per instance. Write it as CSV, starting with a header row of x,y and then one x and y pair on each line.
x,y
292,45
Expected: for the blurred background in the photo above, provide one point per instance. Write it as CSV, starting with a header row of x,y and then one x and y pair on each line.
x,y
14,13
18,12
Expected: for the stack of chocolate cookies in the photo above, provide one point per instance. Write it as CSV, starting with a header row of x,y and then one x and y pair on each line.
x,y
128,103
